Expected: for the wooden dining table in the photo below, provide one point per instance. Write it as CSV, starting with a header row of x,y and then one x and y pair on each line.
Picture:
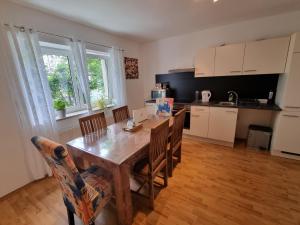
x,y
116,150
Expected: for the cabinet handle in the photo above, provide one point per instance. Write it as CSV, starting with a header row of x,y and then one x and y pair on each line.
x,y
293,116
293,107
199,110
200,73
250,70
195,116
231,111
235,71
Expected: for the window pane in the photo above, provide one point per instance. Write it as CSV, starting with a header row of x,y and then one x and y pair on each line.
x,y
59,77
97,81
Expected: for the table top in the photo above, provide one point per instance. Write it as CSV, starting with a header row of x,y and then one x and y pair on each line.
x,y
116,145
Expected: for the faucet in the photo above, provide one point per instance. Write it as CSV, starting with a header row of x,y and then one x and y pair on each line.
x,y
230,98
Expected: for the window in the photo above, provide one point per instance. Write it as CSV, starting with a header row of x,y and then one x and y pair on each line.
x,y
97,75
61,76
63,79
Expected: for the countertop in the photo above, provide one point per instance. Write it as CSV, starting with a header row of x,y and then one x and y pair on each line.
x,y
240,105
260,106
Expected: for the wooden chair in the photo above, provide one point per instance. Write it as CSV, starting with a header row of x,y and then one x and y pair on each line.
x,y
92,123
174,152
121,113
84,194
148,168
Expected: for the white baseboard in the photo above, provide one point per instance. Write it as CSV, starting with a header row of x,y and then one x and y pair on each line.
x,y
208,140
285,155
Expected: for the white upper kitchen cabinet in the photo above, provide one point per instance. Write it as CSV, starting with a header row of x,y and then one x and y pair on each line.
x,y
296,42
222,124
229,59
205,62
291,95
199,121
266,56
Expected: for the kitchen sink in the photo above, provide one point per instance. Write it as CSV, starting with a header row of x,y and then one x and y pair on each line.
x,y
226,103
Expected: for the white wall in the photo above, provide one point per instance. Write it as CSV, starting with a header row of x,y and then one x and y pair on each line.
x,y
179,51
13,173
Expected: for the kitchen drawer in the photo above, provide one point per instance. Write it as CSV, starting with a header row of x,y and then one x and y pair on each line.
x,y
199,109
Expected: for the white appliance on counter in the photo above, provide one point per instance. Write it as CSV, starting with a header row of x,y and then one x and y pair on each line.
x,y
205,95
158,92
286,135
139,115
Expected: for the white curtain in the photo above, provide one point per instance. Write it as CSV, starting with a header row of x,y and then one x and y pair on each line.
x,y
80,63
30,92
117,82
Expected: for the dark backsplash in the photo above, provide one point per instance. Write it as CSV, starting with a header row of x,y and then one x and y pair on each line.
x,y
184,85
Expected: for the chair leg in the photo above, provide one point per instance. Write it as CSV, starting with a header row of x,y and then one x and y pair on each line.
x,y
166,174
170,164
151,193
70,217
179,154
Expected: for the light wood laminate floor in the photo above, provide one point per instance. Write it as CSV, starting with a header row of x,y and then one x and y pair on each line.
x,y
213,185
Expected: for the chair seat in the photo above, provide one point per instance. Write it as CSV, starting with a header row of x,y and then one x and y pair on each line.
x,y
142,167
99,180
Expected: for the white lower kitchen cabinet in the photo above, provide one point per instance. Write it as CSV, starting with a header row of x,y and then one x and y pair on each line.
x,y
199,121
222,124
286,133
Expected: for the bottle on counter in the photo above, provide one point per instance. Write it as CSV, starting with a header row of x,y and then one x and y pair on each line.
x,y
197,94
270,97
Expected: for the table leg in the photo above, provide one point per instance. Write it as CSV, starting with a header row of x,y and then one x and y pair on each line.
x,y
123,194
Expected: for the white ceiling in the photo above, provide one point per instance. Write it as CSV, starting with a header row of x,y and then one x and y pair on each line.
x,y
146,20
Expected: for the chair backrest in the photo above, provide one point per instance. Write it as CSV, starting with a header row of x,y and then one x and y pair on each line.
x,y
76,193
121,113
177,130
158,144
92,123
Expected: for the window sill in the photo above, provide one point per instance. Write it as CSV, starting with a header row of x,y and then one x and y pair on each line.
x,y
82,112
73,114
96,109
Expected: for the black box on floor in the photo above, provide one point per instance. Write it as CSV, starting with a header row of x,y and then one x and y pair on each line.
x,y
259,137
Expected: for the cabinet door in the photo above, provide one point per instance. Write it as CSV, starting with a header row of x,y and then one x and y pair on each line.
x,y
297,42
287,133
229,60
205,62
222,124
292,90
266,57
199,121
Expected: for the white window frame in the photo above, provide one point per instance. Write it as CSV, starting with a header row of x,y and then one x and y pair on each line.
x,y
63,50
106,57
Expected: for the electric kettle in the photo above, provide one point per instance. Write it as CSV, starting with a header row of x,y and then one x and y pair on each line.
x,y
206,96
